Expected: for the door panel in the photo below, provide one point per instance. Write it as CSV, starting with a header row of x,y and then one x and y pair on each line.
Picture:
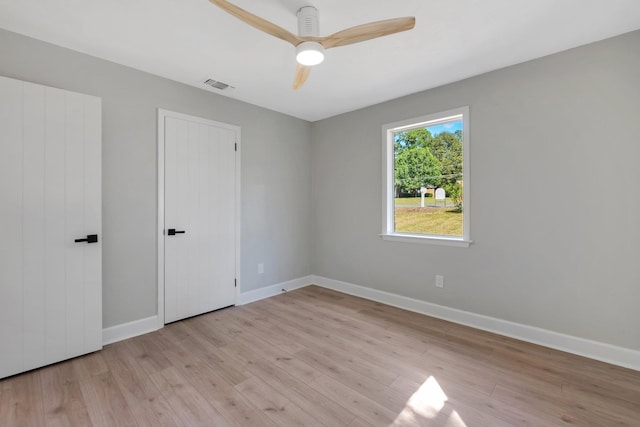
x,y
33,217
92,253
55,243
199,200
74,217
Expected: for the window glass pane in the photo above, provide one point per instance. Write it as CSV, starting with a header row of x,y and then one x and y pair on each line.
x,y
428,178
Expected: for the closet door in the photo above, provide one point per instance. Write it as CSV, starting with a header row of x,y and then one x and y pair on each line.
x,y
200,216
50,196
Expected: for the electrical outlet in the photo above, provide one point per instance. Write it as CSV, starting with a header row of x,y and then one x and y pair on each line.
x,y
260,268
439,281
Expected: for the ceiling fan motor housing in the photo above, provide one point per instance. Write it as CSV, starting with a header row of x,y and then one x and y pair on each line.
x,y
308,24
309,53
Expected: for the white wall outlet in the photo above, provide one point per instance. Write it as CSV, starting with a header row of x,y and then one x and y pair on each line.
x,y
260,268
439,281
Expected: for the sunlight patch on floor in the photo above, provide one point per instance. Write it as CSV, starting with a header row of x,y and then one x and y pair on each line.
x,y
428,402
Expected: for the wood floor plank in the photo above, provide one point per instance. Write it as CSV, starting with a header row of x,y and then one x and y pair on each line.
x,y
191,407
5,405
143,398
223,396
363,407
315,356
230,368
90,365
24,405
250,350
319,406
605,387
274,405
534,405
572,406
105,403
64,404
258,324
604,403
367,387
145,353
204,327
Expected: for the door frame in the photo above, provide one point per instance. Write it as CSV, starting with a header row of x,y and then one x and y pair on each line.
x,y
162,114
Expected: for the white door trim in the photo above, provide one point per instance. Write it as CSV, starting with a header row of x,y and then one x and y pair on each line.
x,y
162,114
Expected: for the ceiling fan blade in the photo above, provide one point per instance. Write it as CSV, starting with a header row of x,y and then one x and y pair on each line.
x,y
369,31
257,22
302,74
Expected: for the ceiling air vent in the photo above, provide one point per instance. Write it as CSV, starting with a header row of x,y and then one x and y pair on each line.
x,y
216,84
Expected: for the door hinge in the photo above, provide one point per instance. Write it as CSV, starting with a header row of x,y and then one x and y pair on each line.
x,y
235,283
236,147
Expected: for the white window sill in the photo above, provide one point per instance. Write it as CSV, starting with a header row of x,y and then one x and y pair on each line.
x,y
428,240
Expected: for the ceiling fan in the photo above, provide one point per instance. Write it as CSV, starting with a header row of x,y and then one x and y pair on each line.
x,y
309,45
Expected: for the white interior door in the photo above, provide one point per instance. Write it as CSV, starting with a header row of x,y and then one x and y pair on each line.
x,y
50,195
199,216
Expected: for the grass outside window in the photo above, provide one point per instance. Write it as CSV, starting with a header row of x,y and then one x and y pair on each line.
x,y
432,219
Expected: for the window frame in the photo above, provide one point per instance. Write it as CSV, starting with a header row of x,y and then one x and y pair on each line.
x,y
388,179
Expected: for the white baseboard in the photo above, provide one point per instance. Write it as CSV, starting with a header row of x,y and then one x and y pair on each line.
x,y
150,324
269,291
620,356
129,330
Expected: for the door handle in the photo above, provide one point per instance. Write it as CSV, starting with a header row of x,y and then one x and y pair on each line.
x,y
91,238
173,232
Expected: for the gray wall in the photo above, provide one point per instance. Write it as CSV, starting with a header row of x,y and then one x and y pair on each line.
x,y
555,206
275,171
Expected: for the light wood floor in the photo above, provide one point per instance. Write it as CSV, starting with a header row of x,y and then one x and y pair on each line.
x,y
315,357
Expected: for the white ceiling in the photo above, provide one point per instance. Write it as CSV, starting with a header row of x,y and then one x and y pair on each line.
x,y
192,40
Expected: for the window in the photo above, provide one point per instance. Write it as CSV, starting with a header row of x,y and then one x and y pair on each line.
x,y
426,179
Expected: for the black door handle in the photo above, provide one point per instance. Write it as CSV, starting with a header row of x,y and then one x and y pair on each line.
x,y
173,232
91,238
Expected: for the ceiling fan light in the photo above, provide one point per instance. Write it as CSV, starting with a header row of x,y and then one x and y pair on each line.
x,y
309,53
